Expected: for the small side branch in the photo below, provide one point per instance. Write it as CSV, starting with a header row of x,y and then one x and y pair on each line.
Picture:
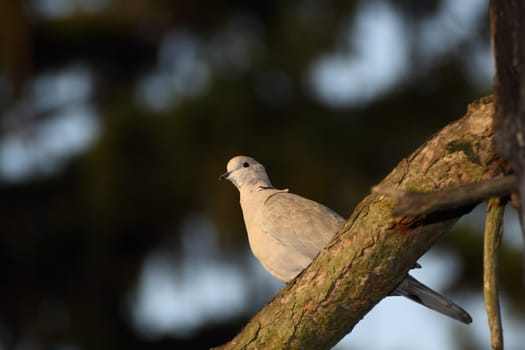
x,y
416,203
492,238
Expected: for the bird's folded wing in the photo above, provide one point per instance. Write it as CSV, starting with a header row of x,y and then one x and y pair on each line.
x,y
298,223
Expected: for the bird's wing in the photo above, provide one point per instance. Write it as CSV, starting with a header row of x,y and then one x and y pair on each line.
x,y
299,223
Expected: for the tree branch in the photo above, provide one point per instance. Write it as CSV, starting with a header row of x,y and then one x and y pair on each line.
x,y
417,203
491,242
507,27
374,251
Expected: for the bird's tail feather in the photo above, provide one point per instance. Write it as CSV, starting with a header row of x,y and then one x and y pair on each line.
x,y
418,292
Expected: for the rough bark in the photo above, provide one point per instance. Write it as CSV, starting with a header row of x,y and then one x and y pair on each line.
x,y
374,251
508,26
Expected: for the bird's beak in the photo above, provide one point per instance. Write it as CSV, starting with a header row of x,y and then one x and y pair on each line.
x,y
224,176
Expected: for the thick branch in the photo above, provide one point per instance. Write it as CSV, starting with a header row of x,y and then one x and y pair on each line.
x,y
507,26
374,251
491,242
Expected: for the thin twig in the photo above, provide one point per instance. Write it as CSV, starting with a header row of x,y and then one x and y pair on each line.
x,y
416,203
491,242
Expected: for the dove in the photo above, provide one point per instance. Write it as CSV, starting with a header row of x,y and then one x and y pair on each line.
x,y
287,231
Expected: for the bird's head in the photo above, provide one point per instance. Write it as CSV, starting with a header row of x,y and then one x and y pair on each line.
x,y
245,172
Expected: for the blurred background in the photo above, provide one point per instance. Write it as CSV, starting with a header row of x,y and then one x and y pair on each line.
x,y
117,117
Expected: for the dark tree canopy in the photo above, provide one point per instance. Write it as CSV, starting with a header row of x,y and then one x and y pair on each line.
x,y
116,118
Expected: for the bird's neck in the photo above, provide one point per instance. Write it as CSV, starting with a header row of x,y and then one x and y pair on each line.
x,y
253,197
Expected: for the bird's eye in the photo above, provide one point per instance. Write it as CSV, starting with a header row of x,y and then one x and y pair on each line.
x,y
245,164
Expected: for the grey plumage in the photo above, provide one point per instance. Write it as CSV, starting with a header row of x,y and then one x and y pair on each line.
x,y
287,231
